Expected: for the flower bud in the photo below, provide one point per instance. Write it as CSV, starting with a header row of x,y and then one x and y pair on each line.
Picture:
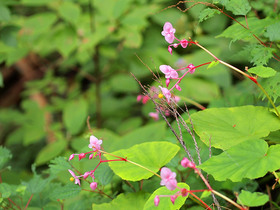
x,y
167,82
71,157
82,155
90,156
156,200
178,87
170,50
93,185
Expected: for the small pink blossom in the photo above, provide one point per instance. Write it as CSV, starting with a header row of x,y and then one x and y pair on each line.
x,y
184,43
191,68
168,71
168,178
170,49
167,82
71,156
77,180
90,156
93,185
145,99
186,163
166,93
156,200
168,32
177,99
154,115
94,143
139,98
178,87
173,198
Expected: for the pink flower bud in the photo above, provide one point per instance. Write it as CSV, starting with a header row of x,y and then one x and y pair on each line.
x,y
186,163
184,192
178,87
154,115
71,157
191,68
170,49
173,198
156,200
139,97
145,99
93,185
82,155
167,81
184,43
90,156
86,175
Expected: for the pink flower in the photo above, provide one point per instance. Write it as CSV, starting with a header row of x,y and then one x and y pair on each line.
x,y
90,156
168,178
156,200
71,156
94,143
82,155
77,180
184,43
168,32
93,185
186,163
191,68
154,115
166,93
168,71
173,198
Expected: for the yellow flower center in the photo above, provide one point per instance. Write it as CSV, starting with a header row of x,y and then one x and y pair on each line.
x,y
160,95
72,179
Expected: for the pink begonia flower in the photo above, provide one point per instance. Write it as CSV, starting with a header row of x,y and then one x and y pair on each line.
x,y
145,99
191,68
139,98
71,156
166,93
90,156
94,143
156,200
184,43
168,32
168,178
154,115
167,82
77,180
93,185
178,87
173,198
168,71
177,99
186,163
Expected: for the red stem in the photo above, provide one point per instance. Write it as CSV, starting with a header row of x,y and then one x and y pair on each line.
x,y
28,202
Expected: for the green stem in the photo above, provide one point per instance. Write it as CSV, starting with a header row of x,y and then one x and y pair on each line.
x,y
227,199
243,73
192,102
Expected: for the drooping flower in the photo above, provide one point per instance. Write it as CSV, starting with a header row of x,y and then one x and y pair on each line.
x,y
77,180
173,198
168,32
156,200
168,71
94,143
191,68
82,155
168,178
166,93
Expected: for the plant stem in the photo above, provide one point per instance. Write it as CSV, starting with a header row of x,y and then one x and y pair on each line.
x,y
227,199
241,72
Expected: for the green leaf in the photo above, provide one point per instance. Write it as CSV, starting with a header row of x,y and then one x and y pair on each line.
x,y
67,191
273,32
8,35
204,90
74,116
152,155
252,199
213,64
152,132
36,184
135,201
226,127
104,174
262,71
6,190
121,82
59,164
69,11
250,159
50,151
165,202
207,13
5,156
5,13
272,87
36,2
238,7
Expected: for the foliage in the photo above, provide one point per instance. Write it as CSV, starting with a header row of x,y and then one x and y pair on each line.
x,y
65,75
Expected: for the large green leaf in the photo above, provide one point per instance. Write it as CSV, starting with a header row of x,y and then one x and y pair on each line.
x,y
252,199
251,159
69,11
131,201
262,71
152,155
165,202
272,87
5,156
273,32
74,116
227,127
238,7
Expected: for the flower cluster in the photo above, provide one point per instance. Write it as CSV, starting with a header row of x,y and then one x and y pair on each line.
x,y
168,179
95,145
170,73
